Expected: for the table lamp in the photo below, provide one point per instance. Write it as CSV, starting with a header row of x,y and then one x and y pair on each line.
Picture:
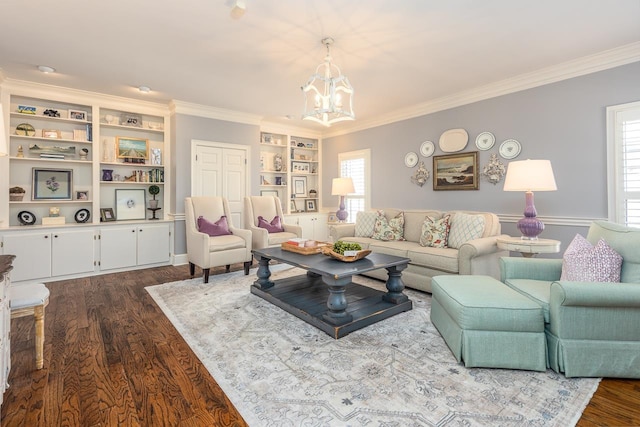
x,y
530,176
341,187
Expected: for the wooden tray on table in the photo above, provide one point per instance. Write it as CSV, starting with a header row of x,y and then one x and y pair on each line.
x,y
307,250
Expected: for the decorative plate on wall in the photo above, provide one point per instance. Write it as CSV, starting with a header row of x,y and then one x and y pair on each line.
x,y
510,149
485,141
427,148
411,159
453,140
26,218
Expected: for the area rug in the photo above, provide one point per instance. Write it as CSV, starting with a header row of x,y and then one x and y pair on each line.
x,y
279,371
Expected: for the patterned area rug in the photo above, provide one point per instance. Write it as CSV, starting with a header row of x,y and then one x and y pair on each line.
x,y
280,371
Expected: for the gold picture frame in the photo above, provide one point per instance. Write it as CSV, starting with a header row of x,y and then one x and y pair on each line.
x,y
456,171
132,148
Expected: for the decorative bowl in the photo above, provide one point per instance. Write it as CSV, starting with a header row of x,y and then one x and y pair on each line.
x,y
360,255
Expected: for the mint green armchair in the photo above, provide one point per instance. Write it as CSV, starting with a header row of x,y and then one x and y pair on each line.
x,y
592,329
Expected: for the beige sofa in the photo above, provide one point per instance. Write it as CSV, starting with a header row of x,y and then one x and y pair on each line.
x,y
478,256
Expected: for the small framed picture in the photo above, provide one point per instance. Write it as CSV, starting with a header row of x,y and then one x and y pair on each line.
x,y
302,167
130,204
106,215
52,184
156,156
272,193
299,186
82,195
128,119
300,206
311,206
132,148
78,115
332,218
292,205
50,133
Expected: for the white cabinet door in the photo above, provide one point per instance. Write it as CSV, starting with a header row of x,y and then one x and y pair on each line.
x,y
33,255
72,252
117,247
314,226
153,243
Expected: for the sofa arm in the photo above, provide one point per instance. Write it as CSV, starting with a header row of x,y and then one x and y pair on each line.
x,y
595,311
246,235
339,231
480,250
259,237
198,248
290,228
530,268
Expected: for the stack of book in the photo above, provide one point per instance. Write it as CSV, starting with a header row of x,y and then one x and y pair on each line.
x,y
51,156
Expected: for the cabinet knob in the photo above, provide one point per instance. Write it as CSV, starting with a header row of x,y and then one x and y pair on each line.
x,y
133,231
140,230
46,236
55,235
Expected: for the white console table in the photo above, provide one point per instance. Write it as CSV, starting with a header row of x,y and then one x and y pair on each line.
x,y
529,248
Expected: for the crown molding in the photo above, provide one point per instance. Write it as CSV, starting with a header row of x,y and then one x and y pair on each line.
x,y
611,58
273,127
41,90
198,110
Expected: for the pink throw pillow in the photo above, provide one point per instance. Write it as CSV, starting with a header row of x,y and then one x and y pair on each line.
x,y
583,262
218,228
275,226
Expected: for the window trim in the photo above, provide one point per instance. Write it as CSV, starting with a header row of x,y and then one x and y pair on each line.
x,y
360,154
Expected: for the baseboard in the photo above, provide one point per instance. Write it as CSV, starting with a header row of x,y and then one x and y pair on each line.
x,y
180,259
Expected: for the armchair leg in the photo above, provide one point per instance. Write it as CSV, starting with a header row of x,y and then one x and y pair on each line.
x,y
247,266
206,275
192,269
227,268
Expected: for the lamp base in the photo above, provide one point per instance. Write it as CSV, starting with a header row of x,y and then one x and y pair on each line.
x,y
342,213
530,226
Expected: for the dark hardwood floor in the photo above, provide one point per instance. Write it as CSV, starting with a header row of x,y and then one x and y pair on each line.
x,y
113,359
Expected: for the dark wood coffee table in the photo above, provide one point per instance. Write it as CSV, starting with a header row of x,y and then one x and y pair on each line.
x,y
325,296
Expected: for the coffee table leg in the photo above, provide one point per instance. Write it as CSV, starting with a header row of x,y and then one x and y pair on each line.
x,y
337,302
263,274
395,286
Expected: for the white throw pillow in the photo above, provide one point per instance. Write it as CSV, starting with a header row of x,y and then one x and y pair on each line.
x,y
365,221
465,227
583,262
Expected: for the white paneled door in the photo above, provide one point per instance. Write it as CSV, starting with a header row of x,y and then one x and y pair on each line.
x,y
220,169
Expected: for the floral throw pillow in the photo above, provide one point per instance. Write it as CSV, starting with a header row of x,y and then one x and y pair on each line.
x,y
386,230
583,262
435,232
218,228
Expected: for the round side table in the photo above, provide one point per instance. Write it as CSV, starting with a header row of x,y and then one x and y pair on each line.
x,y
529,248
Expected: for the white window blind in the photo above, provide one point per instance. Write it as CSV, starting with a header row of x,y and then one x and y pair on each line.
x,y
356,165
624,143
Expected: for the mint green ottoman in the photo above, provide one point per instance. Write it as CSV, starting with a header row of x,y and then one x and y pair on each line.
x,y
487,324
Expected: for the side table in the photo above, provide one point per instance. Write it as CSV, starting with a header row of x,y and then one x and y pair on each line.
x,y
529,248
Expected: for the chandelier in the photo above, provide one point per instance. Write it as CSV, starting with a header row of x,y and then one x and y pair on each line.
x,y
328,95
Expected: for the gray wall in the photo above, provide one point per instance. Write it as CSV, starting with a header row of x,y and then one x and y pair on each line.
x,y
185,128
564,122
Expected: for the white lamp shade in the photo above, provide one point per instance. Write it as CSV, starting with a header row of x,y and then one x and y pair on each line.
x,y
530,175
4,150
342,187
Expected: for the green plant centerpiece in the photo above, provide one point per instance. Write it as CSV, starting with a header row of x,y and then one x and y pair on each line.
x,y
340,246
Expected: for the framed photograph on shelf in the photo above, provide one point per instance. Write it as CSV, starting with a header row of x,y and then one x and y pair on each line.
x,y
311,206
52,184
50,133
272,193
106,215
300,206
300,167
82,195
299,186
132,148
78,115
292,205
130,204
128,119
456,171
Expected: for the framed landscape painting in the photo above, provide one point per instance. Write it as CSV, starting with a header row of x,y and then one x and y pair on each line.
x,y
456,171
132,148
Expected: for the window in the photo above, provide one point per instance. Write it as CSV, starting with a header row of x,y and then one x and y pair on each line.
x,y
356,164
623,140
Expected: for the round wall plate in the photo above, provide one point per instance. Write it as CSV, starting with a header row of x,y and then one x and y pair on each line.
x,y
25,129
26,218
485,141
510,149
427,148
82,215
411,159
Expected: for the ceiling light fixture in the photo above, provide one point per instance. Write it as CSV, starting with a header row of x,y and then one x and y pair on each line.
x,y
238,10
144,89
328,95
46,69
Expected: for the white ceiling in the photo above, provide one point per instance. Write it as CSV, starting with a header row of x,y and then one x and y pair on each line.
x,y
397,54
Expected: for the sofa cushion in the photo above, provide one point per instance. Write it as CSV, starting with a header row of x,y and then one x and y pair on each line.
x,y
583,262
218,228
365,221
625,240
275,226
413,220
435,232
386,230
442,259
537,290
465,227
